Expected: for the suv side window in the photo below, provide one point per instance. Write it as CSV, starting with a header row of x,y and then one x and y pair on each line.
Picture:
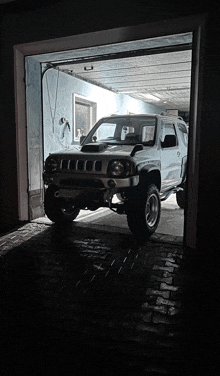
x,y
183,133
168,130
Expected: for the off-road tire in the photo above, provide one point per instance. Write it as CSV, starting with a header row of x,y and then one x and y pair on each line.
x,y
143,213
181,197
56,209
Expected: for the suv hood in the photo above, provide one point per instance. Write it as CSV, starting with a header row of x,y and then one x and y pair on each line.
x,y
102,149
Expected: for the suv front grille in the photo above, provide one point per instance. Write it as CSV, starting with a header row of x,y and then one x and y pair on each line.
x,y
80,165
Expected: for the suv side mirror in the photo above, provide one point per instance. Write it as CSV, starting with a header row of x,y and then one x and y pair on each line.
x,y
81,139
169,141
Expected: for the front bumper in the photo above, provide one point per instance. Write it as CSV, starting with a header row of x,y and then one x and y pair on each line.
x,y
86,181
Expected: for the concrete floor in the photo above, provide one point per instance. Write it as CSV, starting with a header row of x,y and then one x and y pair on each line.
x,y
171,221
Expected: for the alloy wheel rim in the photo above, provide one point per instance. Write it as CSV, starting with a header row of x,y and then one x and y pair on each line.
x,y
152,210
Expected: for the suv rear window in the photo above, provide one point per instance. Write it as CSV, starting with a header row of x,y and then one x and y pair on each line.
x,y
183,133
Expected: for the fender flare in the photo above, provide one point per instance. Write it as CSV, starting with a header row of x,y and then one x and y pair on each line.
x,y
149,167
151,170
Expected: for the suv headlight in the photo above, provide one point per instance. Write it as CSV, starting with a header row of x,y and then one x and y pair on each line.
x,y
120,168
50,165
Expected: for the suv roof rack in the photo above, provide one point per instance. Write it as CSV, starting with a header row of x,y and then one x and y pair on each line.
x,y
171,115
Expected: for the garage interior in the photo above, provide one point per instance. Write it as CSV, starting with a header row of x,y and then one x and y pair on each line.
x,y
145,76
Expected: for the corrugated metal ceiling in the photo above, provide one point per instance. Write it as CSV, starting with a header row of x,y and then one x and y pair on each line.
x,y
157,70
166,77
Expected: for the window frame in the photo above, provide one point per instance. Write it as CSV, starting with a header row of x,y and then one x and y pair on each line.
x,y
163,124
93,114
182,133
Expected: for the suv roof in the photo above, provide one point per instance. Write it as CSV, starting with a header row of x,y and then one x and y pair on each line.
x,y
162,114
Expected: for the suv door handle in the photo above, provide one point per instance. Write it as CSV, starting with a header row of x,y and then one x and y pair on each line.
x,y
178,153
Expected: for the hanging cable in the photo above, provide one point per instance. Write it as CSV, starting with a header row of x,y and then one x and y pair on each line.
x,y
55,104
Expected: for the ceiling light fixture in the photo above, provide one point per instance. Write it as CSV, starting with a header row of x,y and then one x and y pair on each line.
x,y
88,68
151,97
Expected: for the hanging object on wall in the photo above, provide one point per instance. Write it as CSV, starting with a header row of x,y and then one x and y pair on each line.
x,y
55,104
66,125
62,137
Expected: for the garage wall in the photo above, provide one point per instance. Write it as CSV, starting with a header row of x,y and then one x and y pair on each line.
x,y
58,90
34,137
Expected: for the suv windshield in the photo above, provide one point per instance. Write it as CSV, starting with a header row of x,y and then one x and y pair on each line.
x,y
125,130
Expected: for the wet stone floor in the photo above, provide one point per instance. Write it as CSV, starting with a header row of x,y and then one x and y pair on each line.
x,y
76,301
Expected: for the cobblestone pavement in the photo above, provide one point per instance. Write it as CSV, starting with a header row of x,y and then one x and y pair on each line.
x,y
78,301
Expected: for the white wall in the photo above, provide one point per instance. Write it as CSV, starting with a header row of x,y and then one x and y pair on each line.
x,y
58,90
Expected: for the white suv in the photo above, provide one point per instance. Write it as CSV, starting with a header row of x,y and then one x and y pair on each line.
x,y
139,158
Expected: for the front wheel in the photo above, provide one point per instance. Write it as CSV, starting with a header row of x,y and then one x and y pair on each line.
x,y
57,209
143,214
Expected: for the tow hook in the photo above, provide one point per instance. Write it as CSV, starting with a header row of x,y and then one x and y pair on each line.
x,y
109,198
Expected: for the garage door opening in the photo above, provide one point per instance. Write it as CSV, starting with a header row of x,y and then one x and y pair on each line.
x,y
126,94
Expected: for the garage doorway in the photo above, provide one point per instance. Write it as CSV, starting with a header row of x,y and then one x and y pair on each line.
x,y
35,148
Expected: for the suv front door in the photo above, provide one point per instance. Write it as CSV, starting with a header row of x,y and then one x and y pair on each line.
x,y
170,157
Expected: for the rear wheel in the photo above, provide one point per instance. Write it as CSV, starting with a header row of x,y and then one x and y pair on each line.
x,y
57,209
181,197
143,214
